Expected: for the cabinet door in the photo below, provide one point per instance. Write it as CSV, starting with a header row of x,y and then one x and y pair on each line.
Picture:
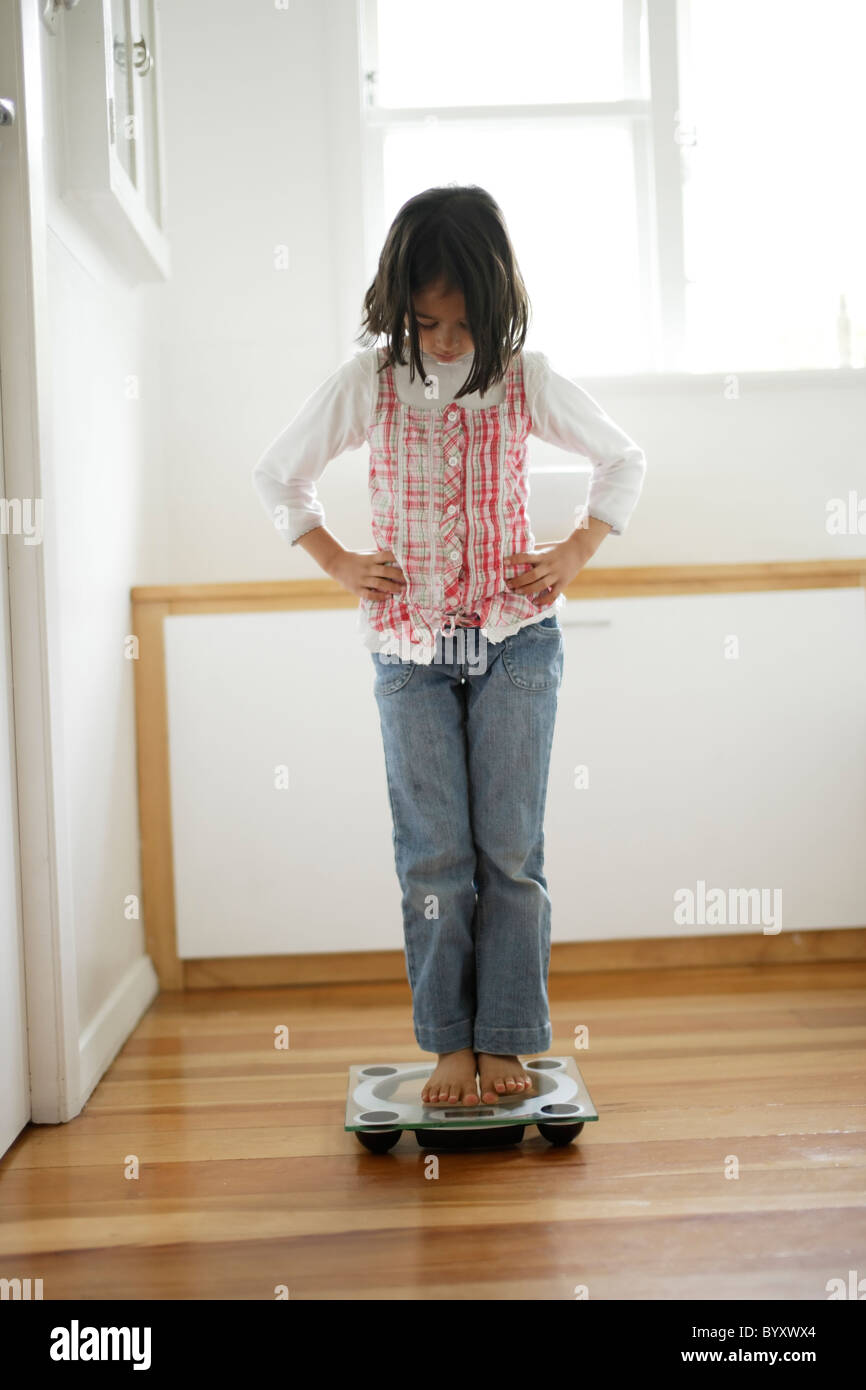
x,y
110,173
740,772
266,861
147,81
723,739
120,89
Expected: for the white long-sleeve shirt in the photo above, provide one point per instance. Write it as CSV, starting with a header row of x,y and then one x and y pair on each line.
x,y
335,418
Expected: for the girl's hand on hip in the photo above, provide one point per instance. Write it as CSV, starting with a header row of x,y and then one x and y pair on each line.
x,y
550,571
369,575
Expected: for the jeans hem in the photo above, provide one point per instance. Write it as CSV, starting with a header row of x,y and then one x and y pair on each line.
x,y
452,1039
505,1042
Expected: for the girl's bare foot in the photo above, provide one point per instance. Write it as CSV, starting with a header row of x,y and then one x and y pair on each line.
x,y
501,1077
453,1080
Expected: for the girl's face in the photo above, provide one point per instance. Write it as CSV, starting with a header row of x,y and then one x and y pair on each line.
x,y
442,325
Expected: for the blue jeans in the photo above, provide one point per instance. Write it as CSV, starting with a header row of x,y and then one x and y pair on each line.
x,y
467,744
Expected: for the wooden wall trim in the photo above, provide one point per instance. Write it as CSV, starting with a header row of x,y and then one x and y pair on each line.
x,y
566,958
151,604
154,795
628,581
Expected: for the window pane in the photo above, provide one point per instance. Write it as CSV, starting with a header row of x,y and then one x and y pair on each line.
x,y
472,52
775,200
567,193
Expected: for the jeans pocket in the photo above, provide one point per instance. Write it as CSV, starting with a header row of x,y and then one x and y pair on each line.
x,y
534,656
391,675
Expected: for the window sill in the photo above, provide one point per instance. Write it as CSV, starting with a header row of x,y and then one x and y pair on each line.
x,y
719,381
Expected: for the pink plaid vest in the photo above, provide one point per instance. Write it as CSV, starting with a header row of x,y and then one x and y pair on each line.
x,y
448,494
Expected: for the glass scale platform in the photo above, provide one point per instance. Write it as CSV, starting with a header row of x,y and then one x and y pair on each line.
x,y
384,1099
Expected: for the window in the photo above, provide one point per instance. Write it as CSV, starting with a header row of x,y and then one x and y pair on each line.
x,y
774,194
678,177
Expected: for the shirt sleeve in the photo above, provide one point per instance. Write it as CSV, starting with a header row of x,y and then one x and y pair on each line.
x,y
566,415
333,419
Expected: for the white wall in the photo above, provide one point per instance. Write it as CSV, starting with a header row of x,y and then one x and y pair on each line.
x,y
735,478
104,463
240,342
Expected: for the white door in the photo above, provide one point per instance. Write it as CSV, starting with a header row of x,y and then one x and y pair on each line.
x,y
39,1045
14,1075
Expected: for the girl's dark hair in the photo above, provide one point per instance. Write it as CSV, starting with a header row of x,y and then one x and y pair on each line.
x,y
456,235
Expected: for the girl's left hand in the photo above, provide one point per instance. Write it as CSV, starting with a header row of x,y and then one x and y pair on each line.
x,y
552,570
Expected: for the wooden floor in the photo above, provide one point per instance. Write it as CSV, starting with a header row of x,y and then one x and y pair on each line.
x,y
248,1180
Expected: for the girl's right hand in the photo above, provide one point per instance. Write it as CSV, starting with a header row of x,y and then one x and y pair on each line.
x,y
368,574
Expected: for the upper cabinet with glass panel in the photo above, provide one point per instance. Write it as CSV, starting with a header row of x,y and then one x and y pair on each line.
x,y
113,175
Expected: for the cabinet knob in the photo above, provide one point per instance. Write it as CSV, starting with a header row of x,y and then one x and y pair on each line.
x,y
7,111
142,59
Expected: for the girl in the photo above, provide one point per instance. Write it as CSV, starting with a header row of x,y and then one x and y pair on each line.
x,y
466,741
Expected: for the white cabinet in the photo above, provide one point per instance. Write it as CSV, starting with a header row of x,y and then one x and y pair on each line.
x,y
263,867
741,773
112,175
735,772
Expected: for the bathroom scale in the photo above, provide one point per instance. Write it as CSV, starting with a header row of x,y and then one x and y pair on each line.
x,y
384,1099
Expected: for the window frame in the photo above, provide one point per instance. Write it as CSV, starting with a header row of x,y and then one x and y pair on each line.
x,y
651,122
662,128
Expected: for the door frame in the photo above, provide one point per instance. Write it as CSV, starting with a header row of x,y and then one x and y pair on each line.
x,y
51,983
